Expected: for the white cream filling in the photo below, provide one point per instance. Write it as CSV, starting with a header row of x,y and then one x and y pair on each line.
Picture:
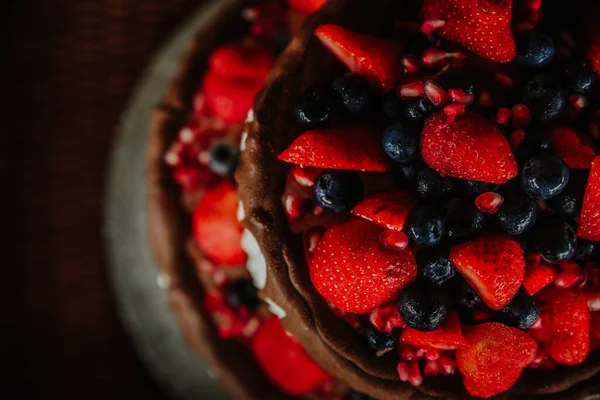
x,y
275,309
256,264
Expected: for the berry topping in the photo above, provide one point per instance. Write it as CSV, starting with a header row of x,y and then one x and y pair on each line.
x,y
569,201
425,225
470,148
579,77
475,188
522,311
315,108
373,58
353,272
418,109
447,336
589,227
387,209
534,49
401,142
544,97
241,60
517,214
230,99
545,176
423,307
466,297
489,202
435,266
355,92
538,274
241,293
481,26
586,250
356,148
494,357
463,219
554,239
338,190
575,148
381,342
493,265
223,159
435,188
405,174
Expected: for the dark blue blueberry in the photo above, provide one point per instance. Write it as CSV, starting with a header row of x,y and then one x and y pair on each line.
x,y
338,191
534,49
418,109
241,292
355,92
425,225
517,214
545,176
536,142
435,266
586,250
579,77
475,188
315,108
392,107
423,307
555,240
381,341
545,98
568,203
463,219
522,311
432,187
401,142
223,159
466,297
405,174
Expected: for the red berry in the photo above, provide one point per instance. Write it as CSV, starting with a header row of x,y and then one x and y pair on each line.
x,y
446,337
387,209
241,60
230,99
489,202
306,6
576,149
538,273
589,226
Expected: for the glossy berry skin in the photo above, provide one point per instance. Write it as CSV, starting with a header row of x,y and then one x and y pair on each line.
x,y
463,219
579,77
355,92
423,307
241,292
418,109
432,187
522,311
466,297
517,214
475,188
434,265
223,159
555,240
338,190
534,49
380,341
401,142
315,108
545,176
545,98
425,225
568,203
405,174
586,250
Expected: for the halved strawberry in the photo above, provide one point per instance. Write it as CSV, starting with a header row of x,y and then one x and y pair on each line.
x,y
482,26
538,273
470,148
285,361
447,337
387,209
230,99
576,149
215,226
306,6
494,358
351,270
493,265
241,60
589,226
355,148
373,58
565,323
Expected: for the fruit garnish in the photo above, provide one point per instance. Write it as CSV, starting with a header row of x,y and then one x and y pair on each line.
x,y
241,60
230,99
306,6
576,150
538,273
447,336
423,307
387,209
589,226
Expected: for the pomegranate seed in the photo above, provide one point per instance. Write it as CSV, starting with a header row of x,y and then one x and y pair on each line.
x,y
403,371
504,116
407,353
460,96
318,210
294,207
447,365
485,99
432,354
313,237
535,5
173,155
504,79
521,117
482,316
578,101
306,176
410,64
594,130
431,25
386,318
571,275
414,374
435,57
594,301
453,110
436,93
393,240
200,106
516,138
432,368
489,202
412,89
421,353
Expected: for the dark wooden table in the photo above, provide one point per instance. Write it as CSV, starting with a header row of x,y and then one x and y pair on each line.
x,y
67,69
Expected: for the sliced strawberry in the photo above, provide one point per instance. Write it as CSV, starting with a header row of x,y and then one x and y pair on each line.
x,y
353,272
538,273
230,99
215,226
285,361
493,265
355,148
306,6
482,26
373,58
470,148
494,358
387,209
576,150
447,337
566,324
589,226
241,60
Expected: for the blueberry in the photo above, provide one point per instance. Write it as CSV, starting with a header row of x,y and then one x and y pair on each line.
x,y
433,187
544,97
463,219
418,108
536,142
475,188
555,240
380,341
522,311
423,307
517,214
579,77
568,203
392,107
223,159
241,292
534,49
425,225
315,108
355,92
338,191
545,176
466,297
405,174
401,142
435,266
586,250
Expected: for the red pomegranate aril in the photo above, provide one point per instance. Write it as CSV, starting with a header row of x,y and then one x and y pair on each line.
x,y
489,202
432,368
436,93
410,63
516,138
447,364
571,275
434,57
305,177
578,101
594,301
431,25
394,240
412,89
454,110
503,116
294,207
521,117
313,237
460,96
504,79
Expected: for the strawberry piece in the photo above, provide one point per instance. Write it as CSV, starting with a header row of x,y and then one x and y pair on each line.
x,y
230,99
494,358
215,226
387,209
482,26
576,150
469,148
373,58
589,226
355,148
565,323
351,270
285,361
306,6
446,337
241,60
538,273
493,265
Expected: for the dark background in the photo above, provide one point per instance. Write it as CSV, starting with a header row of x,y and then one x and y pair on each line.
x,y
66,71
